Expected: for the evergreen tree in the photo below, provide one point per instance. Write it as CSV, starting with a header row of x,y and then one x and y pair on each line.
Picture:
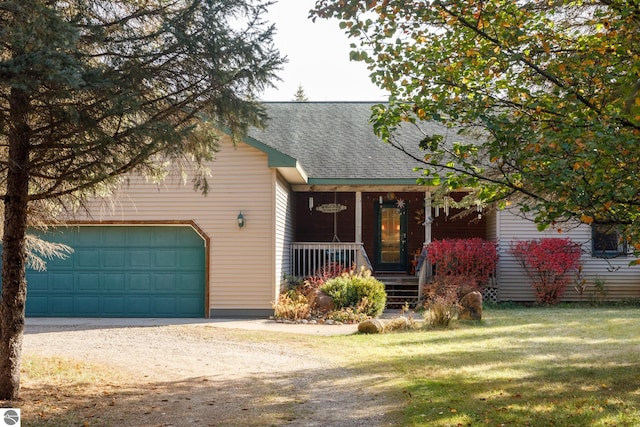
x,y
300,96
91,90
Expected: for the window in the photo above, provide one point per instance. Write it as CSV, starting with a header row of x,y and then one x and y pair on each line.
x,y
607,241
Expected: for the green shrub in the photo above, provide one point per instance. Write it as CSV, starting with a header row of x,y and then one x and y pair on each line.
x,y
359,291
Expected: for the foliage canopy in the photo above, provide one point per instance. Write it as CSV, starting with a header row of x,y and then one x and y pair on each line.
x,y
547,92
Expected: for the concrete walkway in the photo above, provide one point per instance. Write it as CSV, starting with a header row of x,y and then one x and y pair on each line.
x,y
247,324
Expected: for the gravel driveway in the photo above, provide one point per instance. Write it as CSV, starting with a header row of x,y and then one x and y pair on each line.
x,y
200,374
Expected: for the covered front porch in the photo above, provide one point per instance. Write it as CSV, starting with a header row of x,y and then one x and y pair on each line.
x,y
376,229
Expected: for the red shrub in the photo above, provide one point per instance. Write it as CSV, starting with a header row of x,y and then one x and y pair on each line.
x,y
471,261
326,272
547,262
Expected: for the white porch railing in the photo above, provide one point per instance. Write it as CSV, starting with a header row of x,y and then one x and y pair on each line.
x,y
308,259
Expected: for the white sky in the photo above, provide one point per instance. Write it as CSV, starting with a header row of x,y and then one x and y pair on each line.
x,y
318,56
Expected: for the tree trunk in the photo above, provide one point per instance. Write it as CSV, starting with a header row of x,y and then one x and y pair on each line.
x,y
14,286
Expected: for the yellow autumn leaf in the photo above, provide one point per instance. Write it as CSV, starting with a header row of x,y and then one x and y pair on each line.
x,y
586,219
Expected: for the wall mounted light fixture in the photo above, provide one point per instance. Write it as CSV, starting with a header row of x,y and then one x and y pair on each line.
x,y
240,220
311,203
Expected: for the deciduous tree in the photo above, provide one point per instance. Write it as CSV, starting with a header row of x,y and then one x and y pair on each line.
x,y
540,98
91,90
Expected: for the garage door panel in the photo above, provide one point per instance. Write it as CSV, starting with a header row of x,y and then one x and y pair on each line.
x,y
139,259
122,271
166,259
114,237
61,305
113,259
168,239
88,306
189,282
166,305
113,306
88,282
139,306
113,282
186,238
139,282
85,236
86,259
190,258
60,264
61,282
38,306
190,305
38,282
167,283
138,237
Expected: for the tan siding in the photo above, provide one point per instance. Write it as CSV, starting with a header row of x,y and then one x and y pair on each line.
x,y
622,281
241,263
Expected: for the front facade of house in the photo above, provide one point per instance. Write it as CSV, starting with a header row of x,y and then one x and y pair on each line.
x,y
314,184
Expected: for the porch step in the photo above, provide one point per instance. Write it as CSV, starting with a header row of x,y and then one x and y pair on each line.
x,y
401,289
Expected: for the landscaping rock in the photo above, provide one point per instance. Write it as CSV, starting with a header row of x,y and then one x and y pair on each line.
x,y
371,326
397,324
471,306
319,301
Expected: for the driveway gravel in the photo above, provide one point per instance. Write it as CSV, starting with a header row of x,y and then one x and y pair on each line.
x,y
199,373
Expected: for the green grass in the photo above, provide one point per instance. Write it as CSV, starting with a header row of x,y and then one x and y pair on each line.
x,y
567,366
518,367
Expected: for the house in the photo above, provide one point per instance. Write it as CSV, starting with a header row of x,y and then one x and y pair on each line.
x,y
315,186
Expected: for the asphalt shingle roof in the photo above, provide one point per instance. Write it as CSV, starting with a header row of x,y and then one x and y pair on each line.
x,y
335,140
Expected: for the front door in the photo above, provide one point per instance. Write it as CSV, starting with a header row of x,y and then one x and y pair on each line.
x,y
391,237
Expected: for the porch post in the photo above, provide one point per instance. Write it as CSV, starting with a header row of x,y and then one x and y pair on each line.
x,y
427,217
358,236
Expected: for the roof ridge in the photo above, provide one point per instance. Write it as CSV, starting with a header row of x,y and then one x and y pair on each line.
x,y
324,102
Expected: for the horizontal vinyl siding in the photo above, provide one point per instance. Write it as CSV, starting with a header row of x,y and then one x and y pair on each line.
x,y
240,260
622,281
284,229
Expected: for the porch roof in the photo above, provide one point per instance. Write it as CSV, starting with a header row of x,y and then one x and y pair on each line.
x,y
334,143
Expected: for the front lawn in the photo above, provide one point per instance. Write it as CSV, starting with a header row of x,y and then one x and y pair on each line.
x,y
517,367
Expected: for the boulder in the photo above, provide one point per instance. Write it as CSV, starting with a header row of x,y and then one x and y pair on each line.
x,y
471,306
400,323
370,326
319,301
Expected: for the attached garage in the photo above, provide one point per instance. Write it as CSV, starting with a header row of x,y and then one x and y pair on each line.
x,y
122,271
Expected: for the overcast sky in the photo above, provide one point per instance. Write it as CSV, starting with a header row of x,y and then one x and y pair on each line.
x,y
318,56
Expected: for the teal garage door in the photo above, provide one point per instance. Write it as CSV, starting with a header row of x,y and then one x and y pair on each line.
x,y
118,271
